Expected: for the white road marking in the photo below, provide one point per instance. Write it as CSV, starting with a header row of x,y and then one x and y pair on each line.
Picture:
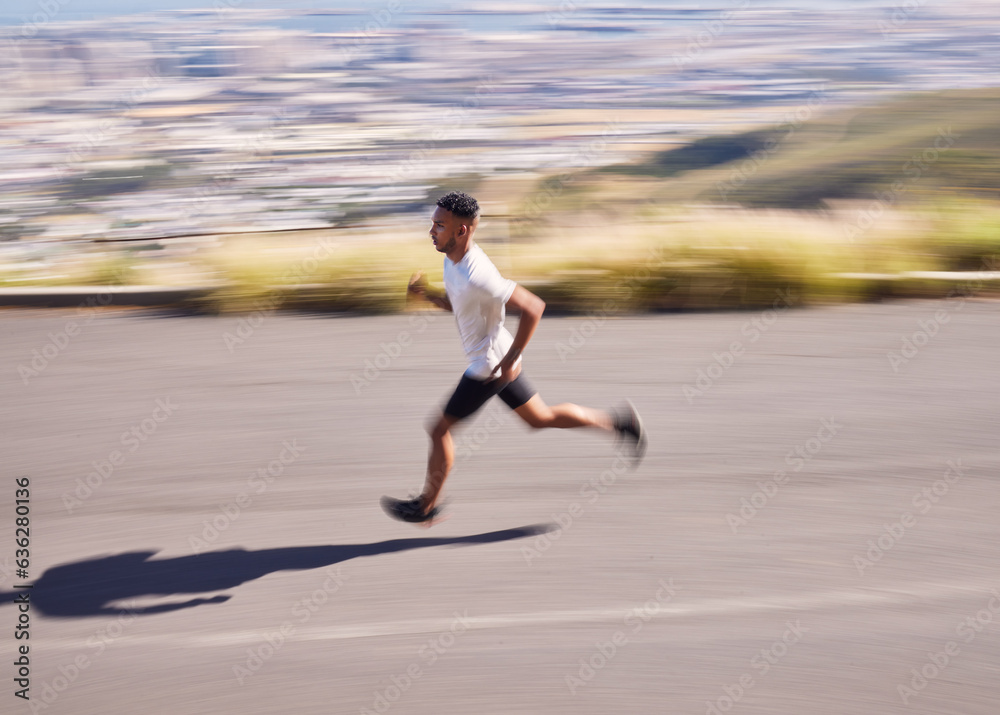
x,y
917,595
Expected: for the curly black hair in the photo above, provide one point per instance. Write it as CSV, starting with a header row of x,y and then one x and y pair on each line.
x,y
460,204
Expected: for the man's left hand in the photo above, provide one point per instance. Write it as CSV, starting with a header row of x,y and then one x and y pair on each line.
x,y
508,369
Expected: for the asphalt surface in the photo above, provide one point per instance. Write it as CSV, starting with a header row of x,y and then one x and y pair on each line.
x,y
814,528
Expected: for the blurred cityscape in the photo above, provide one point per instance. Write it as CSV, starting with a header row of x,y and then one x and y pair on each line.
x,y
235,119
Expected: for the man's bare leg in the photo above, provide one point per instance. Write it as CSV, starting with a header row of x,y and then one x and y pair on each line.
x,y
626,424
564,416
537,414
440,460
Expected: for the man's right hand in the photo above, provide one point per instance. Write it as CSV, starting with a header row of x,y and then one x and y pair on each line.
x,y
418,284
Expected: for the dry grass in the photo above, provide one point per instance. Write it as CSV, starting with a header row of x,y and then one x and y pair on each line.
x,y
658,260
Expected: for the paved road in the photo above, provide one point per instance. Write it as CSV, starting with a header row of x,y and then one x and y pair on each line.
x,y
814,529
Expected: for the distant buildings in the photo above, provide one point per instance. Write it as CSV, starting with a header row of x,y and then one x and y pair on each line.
x,y
242,119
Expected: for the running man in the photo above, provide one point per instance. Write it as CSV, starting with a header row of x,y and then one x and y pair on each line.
x,y
477,294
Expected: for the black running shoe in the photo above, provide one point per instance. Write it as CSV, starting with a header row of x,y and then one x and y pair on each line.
x,y
628,425
409,510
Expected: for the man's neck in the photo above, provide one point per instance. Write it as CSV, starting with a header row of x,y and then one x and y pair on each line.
x,y
458,253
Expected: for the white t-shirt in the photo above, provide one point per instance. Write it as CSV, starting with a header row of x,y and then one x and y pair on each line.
x,y
478,294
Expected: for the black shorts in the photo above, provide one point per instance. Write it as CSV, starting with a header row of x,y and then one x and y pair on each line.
x,y
471,394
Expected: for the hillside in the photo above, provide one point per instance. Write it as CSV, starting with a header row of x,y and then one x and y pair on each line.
x,y
926,143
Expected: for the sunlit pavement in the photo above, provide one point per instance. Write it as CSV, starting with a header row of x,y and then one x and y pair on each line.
x,y
814,528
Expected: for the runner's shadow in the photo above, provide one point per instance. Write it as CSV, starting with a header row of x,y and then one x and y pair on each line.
x,y
88,588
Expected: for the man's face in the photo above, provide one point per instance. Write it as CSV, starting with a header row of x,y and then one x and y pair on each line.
x,y
446,228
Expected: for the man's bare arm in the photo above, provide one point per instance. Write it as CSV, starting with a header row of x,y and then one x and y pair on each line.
x,y
441,301
437,296
531,307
